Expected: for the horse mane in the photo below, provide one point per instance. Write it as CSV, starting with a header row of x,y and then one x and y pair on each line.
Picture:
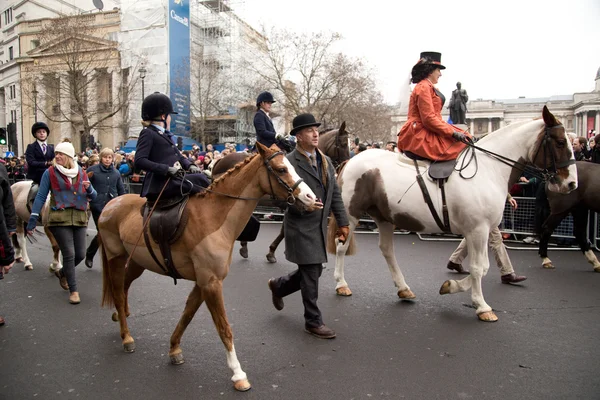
x,y
227,173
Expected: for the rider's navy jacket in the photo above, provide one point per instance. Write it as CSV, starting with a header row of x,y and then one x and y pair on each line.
x,y
36,160
265,131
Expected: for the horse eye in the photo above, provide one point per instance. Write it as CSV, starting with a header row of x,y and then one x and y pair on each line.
x,y
282,170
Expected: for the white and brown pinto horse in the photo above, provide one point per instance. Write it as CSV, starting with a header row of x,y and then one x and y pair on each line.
x,y
20,191
203,252
378,183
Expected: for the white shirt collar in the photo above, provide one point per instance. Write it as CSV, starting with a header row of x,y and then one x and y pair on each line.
x,y
41,143
160,128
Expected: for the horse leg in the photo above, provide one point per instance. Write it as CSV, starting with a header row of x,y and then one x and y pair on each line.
x,y
117,281
21,251
56,264
547,228
244,249
580,219
341,287
271,255
213,295
477,244
194,301
132,272
386,245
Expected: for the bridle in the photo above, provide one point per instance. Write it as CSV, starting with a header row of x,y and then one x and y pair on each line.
x,y
548,173
291,199
337,160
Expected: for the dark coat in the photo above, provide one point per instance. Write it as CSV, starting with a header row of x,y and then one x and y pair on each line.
x,y
306,232
107,183
8,219
265,131
155,153
36,160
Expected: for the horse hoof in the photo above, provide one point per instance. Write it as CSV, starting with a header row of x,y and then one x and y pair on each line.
x,y
445,289
596,269
29,268
548,266
177,359
244,252
406,294
343,291
115,317
19,260
242,385
488,316
271,258
129,347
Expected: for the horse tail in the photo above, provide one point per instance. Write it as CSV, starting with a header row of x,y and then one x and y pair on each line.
x,y
108,298
331,245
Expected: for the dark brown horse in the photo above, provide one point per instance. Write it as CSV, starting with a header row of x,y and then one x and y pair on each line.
x,y
577,203
333,143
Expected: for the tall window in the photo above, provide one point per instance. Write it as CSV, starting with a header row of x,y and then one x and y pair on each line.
x,y
12,92
13,115
11,55
8,16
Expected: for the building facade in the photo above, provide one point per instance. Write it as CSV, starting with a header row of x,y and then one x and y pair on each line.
x,y
579,112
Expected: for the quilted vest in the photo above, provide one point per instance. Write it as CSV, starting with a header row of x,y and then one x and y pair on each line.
x,y
66,194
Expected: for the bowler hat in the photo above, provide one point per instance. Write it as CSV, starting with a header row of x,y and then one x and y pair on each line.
x,y
432,57
303,121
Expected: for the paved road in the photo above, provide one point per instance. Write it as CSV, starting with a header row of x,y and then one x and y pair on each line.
x,y
543,347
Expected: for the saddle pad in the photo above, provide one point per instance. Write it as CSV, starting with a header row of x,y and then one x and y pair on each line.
x,y
441,169
405,160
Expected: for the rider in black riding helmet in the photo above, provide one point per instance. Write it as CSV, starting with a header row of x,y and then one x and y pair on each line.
x,y
157,154
39,156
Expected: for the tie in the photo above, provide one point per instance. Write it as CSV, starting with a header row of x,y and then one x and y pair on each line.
x,y
44,148
313,161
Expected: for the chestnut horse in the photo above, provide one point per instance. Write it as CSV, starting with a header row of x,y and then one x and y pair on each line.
x,y
20,191
577,203
203,252
377,182
333,143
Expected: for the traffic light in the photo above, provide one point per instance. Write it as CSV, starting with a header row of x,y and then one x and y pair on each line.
x,y
3,140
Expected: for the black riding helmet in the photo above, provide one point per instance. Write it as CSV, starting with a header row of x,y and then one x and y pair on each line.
x,y
155,105
39,125
264,96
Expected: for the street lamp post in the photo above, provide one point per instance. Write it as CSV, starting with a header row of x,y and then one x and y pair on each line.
x,y
34,92
142,72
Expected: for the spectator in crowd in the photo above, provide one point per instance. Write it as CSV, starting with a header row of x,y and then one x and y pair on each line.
x,y
360,148
209,148
106,180
39,156
580,149
8,226
595,151
390,146
93,160
70,190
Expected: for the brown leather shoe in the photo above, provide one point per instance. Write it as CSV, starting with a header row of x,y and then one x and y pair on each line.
x,y
512,278
2,321
277,301
322,332
457,267
62,280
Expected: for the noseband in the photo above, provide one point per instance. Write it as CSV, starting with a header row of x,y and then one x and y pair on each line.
x,y
290,189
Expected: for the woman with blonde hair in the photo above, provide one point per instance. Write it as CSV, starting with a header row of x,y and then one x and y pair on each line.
x,y
70,190
106,179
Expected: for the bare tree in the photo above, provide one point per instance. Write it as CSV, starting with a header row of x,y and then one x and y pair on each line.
x,y
312,77
72,76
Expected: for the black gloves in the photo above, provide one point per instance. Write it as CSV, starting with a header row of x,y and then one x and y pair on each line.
x,y
459,136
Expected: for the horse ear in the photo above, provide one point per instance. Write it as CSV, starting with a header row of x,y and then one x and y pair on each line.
x,y
549,118
342,129
262,149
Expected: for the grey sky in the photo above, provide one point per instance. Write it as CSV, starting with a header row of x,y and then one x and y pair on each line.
x,y
500,49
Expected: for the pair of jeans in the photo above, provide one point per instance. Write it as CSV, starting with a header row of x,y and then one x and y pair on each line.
x,y
93,246
305,279
71,242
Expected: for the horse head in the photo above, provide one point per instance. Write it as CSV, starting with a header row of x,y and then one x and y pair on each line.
x,y
553,153
334,144
281,180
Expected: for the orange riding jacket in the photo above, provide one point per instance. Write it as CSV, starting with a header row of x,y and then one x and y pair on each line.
x,y
425,133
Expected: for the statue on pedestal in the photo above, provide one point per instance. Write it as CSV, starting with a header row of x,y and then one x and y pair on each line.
x,y
458,105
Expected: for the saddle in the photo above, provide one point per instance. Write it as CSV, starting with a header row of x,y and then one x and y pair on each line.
x,y
166,225
438,171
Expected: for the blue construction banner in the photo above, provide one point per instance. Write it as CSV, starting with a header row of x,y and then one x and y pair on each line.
x,y
179,65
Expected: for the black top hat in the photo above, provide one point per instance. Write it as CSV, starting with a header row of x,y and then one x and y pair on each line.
x,y
432,57
303,121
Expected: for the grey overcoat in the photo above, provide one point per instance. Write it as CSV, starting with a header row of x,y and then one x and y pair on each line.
x,y
306,232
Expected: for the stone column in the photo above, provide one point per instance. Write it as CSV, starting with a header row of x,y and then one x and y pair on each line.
x,y
597,121
117,119
92,102
489,125
584,125
65,108
472,130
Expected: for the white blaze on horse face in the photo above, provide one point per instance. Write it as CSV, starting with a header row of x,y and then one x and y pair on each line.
x,y
306,195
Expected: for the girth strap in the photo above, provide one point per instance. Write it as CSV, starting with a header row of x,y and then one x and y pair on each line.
x,y
445,226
